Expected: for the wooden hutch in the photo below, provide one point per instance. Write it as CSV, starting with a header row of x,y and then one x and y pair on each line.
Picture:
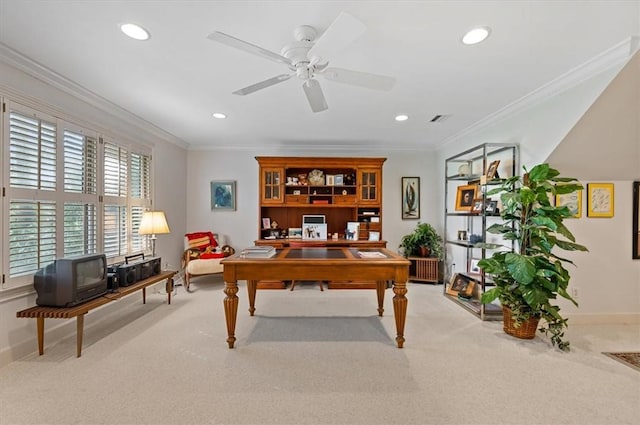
x,y
342,189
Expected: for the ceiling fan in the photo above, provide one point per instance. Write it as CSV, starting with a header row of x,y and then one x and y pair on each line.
x,y
307,57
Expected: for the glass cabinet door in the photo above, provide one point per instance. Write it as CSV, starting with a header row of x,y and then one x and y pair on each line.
x,y
272,185
369,190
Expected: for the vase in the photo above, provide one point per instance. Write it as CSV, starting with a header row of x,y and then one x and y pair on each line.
x,y
527,329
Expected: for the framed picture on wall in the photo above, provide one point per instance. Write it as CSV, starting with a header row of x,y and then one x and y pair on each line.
x,y
571,200
636,220
410,198
600,200
223,195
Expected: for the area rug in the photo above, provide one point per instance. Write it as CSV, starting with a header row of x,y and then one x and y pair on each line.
x,y
629,359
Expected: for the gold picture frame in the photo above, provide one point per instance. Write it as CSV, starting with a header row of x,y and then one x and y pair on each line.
x,y
600,200
465,196
571,200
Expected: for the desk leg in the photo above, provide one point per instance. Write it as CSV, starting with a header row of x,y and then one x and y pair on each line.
x,y
79,333
400,310
169,288
40,323
231,310
381,286
252,285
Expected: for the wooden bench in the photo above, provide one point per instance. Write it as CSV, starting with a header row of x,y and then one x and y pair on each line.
x,y
41,312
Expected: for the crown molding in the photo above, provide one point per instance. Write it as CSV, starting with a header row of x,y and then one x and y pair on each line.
x,y
612,57
48,76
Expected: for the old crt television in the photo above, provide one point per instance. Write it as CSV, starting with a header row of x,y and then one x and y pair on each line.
x,y
70,281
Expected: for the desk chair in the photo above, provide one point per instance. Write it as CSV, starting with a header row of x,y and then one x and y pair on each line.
x,y
307,244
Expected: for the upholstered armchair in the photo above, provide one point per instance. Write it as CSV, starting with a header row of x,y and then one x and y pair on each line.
x,y
202,255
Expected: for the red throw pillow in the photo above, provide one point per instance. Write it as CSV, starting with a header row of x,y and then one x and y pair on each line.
x,y
206,255
201,240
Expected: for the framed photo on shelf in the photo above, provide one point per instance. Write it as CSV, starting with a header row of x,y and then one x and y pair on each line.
x,y
266,223
338,179
478,206
473,266
353,231
491,207
465,197
374,236
571,200
461,285
223,195
410,198
330,181
492,170
600,200
295,233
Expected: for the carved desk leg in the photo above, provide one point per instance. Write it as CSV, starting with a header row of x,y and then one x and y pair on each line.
x,y
252,285
231,310
381,286
400,310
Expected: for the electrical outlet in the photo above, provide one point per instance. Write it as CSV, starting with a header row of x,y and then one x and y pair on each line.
x,y
574,293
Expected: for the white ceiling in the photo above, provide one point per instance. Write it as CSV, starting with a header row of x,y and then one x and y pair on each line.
x,y
178,78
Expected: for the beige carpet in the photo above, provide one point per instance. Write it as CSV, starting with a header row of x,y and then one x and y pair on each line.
x,y
311,357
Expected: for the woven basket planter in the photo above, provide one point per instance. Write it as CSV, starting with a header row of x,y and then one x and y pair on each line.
x,y
526,331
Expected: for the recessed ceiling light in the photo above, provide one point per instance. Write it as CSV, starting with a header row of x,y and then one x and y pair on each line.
x,y
219,115
402,117
476,35
135,31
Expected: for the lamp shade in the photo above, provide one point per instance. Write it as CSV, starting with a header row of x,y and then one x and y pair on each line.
x,y
153,223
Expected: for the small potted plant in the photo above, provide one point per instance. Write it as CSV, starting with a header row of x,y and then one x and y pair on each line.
x,y
424,241
530,278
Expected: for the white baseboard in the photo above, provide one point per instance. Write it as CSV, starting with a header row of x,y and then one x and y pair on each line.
x,y
604,319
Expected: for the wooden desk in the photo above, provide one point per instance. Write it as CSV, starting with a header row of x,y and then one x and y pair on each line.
x,y
317,264
78,311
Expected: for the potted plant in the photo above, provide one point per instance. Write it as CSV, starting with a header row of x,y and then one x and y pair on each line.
x,y
424,241
529,279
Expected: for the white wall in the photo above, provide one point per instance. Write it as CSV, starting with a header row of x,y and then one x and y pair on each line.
x,y
240,227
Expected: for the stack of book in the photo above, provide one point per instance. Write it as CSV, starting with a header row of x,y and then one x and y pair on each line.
x,y
265,251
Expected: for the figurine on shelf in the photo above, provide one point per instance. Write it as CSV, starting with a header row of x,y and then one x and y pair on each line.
x,y
274,224
302,179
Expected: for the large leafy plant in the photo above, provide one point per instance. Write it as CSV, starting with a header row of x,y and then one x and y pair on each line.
x,y
530,278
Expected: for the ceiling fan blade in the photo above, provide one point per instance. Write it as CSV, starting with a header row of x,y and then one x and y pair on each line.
x,y
247,47
314,95
263,84
340,33
357,78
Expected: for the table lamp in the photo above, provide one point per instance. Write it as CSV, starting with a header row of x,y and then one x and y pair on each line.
x,y
153,223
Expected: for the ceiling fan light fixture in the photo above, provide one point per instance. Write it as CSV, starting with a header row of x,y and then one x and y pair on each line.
x,y
219,115
476,35
135,31
402,117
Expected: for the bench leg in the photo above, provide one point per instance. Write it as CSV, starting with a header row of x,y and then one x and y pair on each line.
x,y
40,323
79,333
169,289
144,295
